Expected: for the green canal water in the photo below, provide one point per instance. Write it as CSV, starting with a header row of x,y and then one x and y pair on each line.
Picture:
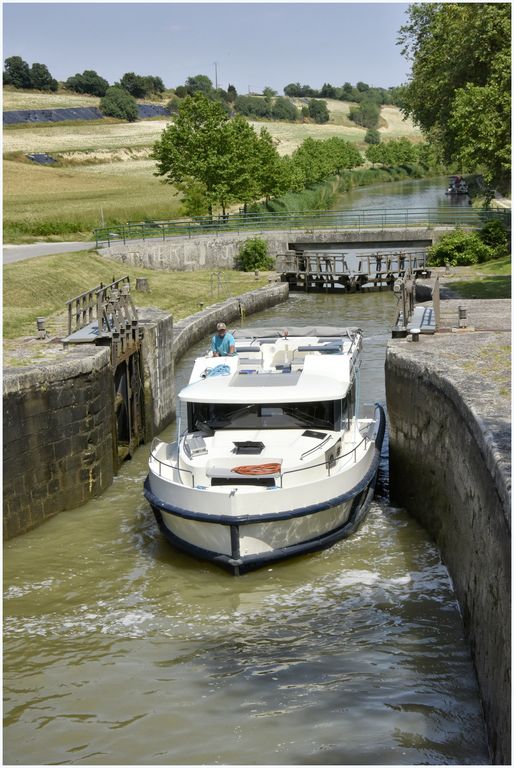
x,y
120,650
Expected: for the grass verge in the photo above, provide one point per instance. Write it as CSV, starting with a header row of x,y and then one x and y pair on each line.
x,y
492,280
40,288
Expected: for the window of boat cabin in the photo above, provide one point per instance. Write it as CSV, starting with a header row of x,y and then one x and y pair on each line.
x,y
347,409
325,414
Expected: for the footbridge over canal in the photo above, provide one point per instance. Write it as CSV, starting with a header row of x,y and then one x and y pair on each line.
x,y
203,243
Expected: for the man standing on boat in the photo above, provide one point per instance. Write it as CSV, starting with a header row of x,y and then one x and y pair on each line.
x,y
223,343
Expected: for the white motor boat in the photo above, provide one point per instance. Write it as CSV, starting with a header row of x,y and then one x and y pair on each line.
x,y
273,459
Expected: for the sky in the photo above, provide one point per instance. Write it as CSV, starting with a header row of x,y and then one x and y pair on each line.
x,y
249,45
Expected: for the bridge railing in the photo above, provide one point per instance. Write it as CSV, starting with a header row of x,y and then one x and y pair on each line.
x,y
370,218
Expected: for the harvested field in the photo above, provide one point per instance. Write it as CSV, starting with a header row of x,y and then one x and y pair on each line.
x,y
83,137
13,100
291,135
397,126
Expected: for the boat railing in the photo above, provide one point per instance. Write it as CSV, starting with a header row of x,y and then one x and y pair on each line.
x,y
328,463
316,447
168,464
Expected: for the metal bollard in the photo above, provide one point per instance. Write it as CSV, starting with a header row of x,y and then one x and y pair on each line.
x,y
41,331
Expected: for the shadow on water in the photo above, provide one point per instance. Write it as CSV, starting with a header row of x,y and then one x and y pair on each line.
x,y
119,649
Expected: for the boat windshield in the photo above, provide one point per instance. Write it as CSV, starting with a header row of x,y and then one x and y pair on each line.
x,y
318,415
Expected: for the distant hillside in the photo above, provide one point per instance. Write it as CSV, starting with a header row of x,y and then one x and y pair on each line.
x,y
290,135
103,169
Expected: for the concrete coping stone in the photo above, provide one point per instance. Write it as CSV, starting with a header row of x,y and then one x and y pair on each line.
x,y
77,362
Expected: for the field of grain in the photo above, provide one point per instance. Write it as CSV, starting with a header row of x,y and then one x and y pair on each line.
x,y
14,100
70,202
397,126
289,136
83,137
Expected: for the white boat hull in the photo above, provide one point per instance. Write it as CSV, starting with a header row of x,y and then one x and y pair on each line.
x,y
246,528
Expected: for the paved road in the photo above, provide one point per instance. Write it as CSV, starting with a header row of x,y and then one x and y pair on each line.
x,y
13,253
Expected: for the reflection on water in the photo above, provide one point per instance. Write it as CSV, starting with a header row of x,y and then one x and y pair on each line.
x,y
118,649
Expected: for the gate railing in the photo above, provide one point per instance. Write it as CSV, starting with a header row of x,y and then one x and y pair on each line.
x,y
110,306
306,220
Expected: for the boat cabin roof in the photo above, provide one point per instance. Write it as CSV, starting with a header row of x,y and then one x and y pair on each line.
x,y
302,331
275,369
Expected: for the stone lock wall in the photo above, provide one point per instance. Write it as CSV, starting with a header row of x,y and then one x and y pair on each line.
x,y
159,371
57,437
447,472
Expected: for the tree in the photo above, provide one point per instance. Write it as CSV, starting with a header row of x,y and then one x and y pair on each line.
x,y
154,84
284,109
459,91
348,92
393,153
41,79
88,82
231,93
16,72
199,83
216,161
372,136
293,90
239,178
273,171
316,160
118,102
252,106
318,111
327,91
193,148
134,84
367,114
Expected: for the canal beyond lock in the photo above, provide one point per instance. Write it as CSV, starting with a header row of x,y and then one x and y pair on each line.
x,y
120,650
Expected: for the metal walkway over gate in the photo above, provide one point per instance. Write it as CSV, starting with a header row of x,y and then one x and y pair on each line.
x,y
331,270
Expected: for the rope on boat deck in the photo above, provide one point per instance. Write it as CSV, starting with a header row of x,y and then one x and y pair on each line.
x,y
257,469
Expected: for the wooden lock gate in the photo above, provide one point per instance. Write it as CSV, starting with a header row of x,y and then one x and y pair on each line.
x,y
106,316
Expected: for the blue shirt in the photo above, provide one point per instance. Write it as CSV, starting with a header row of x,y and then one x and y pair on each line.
x,y
222,344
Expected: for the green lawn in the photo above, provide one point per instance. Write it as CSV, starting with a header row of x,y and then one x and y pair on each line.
x,y
40,288
491,280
